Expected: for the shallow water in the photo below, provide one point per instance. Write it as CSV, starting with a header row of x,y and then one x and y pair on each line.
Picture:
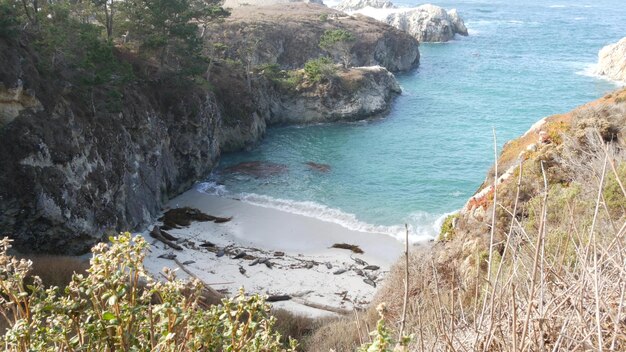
x,y
521,62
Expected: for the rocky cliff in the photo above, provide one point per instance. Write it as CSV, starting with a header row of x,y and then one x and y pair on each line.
x,y
75,168
289,35
81,162
428,23
612,61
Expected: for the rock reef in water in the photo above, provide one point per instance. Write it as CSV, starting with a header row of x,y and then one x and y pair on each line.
x,y
354,5
428,23
612,61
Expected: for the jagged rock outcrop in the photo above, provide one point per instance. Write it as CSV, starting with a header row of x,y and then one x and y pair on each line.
x,y
354,94
289,35
350,95
354,5
238,3
428,23
612,61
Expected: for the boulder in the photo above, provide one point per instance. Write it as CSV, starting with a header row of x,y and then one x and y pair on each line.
x,y
428,23
612,61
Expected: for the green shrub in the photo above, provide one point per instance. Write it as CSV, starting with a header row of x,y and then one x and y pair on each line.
x,y
332,37
447,230
119,306
316,70
613,195
381,339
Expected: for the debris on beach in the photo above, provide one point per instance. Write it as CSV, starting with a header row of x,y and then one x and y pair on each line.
x,y
278,298
207,244
354,248
169,256
370,282
240,255
359,261
183,217
158,234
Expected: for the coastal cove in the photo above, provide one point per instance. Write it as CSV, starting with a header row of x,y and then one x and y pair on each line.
x,y
428,156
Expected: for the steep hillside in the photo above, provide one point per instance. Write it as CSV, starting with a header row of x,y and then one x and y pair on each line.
x,y
535,261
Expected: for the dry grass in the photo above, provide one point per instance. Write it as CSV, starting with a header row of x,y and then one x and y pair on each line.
x,y
552,277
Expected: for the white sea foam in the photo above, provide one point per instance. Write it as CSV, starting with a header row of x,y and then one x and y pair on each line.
x,y
590,70
423,226
213,188
557,6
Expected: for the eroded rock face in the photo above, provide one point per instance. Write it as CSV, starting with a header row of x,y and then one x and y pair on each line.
x,y
356,94
612,61
428,23
353,5
74,170
14,100
289,35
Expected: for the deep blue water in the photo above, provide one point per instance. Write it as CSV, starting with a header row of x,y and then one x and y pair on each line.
x,y
522,61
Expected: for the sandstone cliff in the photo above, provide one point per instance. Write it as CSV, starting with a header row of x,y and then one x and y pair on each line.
x,y
612,61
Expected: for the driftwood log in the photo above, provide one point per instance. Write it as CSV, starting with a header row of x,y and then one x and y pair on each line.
x,y
157,234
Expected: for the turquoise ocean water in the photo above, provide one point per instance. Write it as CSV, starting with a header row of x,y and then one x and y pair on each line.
x,y
522,61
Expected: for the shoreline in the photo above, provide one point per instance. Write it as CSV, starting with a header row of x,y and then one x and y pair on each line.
x,y
302,263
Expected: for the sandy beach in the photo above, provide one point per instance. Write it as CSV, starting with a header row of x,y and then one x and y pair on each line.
x,y
285,254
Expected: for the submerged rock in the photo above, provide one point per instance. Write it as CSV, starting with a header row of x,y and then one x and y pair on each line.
x,y
612,61
318,167
258,168
428,23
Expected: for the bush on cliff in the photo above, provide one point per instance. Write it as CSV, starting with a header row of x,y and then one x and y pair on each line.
x,y
320,69
119,306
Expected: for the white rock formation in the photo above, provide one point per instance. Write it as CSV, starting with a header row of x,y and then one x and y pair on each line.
x,y
354,5
428,23
237,3
612,61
